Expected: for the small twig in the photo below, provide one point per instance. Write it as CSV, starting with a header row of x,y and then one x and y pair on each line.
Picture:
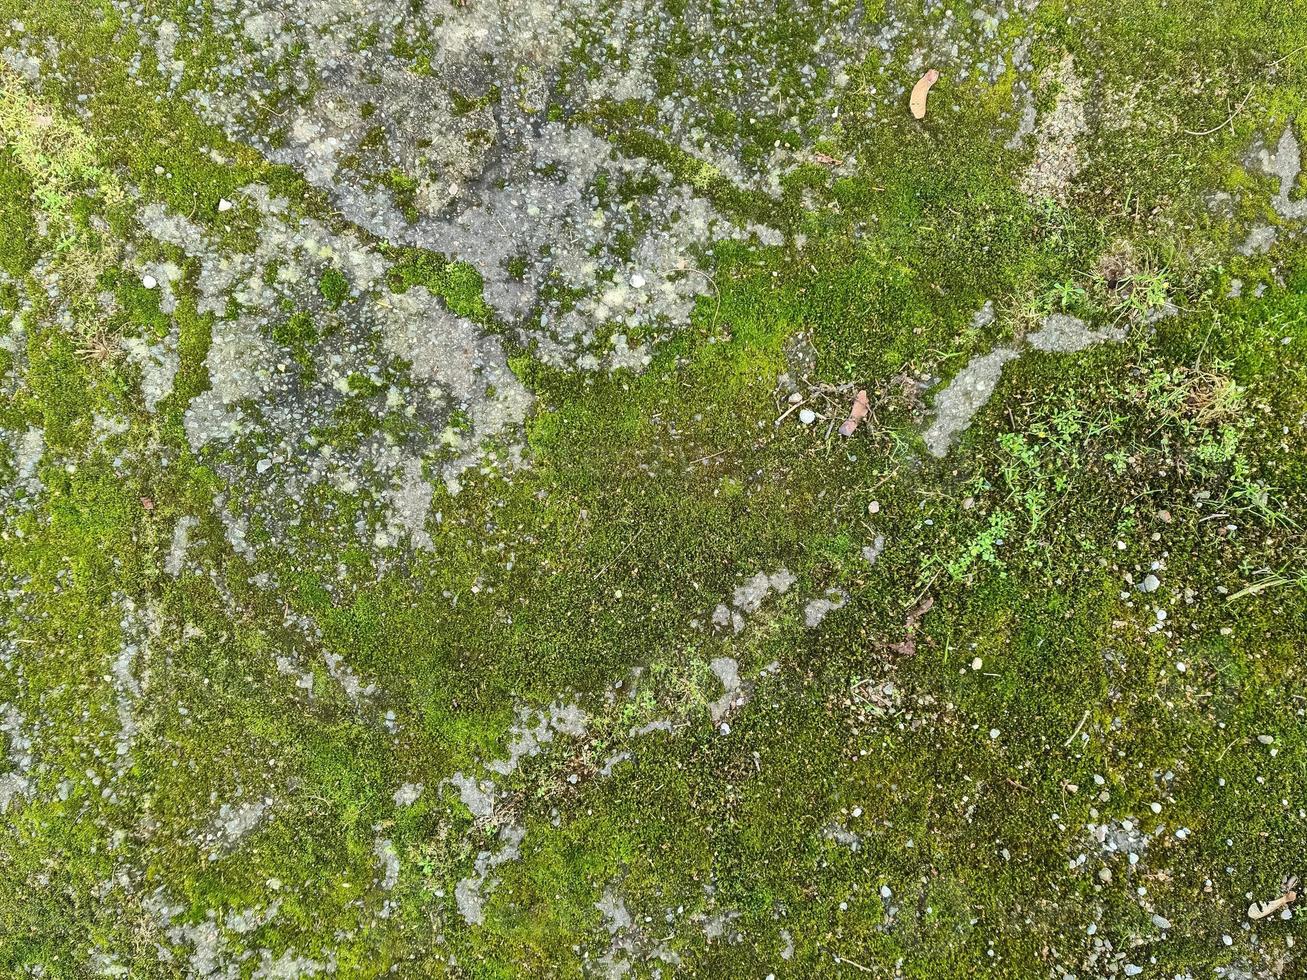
x,y
1083,718
634,538
785,414
845,959
1229,120
704,459
1239,108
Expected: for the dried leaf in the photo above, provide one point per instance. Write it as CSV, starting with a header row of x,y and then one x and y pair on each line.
x,y
917,612
919,93
1260,910
830,161
856,414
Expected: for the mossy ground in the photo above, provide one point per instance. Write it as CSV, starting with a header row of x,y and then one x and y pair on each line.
x,y
646,500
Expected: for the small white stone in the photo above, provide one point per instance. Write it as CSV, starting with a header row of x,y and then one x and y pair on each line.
x,y
977,663
1155,807
725,729
637,281
149,282
1181,666
993,733
857,811
225,205
1227,940
807,416
873,507
1151,583
885,892
1266,739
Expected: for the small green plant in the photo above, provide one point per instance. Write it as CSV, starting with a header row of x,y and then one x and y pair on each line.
x,y
984,547
333,286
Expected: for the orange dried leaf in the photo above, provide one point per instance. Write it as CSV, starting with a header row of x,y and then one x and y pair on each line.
x,y
856,414
919,93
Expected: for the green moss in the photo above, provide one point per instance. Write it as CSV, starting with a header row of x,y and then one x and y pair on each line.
x,y
333,286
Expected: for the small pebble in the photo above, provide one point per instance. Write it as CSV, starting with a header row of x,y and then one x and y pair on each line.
x,y
224,205
1161,922
885,892
1151,583
873,507
637,281
1266,739
807,416
149,282
977,663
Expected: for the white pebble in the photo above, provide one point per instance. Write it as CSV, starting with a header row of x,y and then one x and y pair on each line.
x,y
977,663
885,892
224,205
807,416
149,282
637,281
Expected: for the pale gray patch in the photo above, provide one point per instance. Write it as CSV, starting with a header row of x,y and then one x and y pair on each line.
x,y
534,729
289,966
383,848
408,794
236,527
818,609
612,762
479,798
410,504
727,671
659,725
16,783
613,908
27,457
137,627
1260,239
1285,164
471,893
248,920
234,822
1058,158
1236,289
21,62
787,951
158,364
842,835
724,616
107,426
872,552
749,596
351,682
965,395
984,316
181,540
715,926
165,53
1060,333
568,719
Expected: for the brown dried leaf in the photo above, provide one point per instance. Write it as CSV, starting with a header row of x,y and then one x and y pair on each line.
x,y
919,93
856,414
